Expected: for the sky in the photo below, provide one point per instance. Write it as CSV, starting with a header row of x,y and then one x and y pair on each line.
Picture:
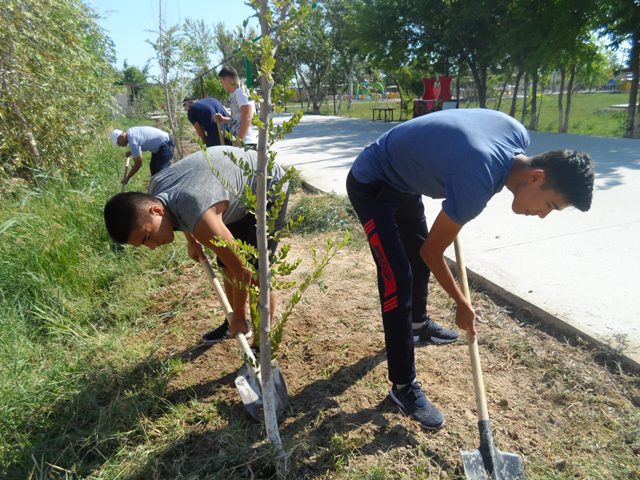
x,y
130,23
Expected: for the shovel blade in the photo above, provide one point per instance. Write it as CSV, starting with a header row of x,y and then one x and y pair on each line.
x,y
251,392
500,466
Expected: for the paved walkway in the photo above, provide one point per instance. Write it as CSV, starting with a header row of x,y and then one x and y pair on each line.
x,y
577,271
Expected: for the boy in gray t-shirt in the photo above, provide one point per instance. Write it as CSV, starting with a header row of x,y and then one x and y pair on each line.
x,y
201,196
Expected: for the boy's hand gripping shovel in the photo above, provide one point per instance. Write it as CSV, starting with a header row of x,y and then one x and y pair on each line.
x,y
249,380
487,462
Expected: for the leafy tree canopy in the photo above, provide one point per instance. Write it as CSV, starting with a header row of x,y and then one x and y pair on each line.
x,y
55,85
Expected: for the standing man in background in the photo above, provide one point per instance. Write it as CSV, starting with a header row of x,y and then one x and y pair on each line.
x,y
201,114
144,139
242,110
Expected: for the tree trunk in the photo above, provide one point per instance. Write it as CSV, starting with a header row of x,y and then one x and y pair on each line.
x,y
514,98
164,69
525,90
631,125
563,75
533,121
479,75
268,389
567,109
504,88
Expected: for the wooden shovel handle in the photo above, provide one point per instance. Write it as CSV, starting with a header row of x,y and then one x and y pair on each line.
x,y
220,134
127,167
476,369
226,306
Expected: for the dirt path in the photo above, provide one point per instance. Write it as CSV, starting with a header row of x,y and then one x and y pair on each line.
x,y
549,401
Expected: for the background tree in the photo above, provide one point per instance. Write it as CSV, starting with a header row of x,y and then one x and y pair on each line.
x,y
621,21
134,80
396,44
55,86
313,55
198,42
174,78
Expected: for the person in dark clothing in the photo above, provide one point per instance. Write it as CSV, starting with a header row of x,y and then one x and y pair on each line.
x,y
464,157
201,114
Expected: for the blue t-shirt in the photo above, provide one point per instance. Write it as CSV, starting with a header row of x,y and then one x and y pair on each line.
x,y
463,156
203,112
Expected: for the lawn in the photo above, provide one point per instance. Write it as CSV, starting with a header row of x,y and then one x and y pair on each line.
x,y
591,113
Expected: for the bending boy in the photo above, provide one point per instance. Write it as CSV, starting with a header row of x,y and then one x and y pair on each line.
x,y
465,157
201,113
206,206
145,139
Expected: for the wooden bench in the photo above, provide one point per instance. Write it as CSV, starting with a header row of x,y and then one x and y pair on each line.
x,y
388,113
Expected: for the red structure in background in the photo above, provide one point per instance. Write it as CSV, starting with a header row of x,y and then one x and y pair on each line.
x,y
436,91
445,88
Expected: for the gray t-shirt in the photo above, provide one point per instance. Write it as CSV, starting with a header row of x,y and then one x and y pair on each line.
x,y
190,187
145,139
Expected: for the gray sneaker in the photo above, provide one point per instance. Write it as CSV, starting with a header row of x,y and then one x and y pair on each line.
x,y
414,403
431,332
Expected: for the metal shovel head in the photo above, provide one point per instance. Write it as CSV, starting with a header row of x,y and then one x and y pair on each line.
x,y
251,392
489,463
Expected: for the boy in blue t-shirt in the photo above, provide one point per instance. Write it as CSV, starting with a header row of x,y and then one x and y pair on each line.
x,y
464,157
201,114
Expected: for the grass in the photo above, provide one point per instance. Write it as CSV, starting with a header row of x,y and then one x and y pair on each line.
x,y
591,113
323,213
70,303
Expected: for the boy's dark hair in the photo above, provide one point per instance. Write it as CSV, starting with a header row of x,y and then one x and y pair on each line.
x,y
570,173
228,72
122,213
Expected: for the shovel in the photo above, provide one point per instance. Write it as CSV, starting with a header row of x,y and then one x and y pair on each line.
x,y
249,380
221,134
127,167
487,462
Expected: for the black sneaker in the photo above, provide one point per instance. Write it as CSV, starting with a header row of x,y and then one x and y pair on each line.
x,y
414,403
431,332
220,333
217,334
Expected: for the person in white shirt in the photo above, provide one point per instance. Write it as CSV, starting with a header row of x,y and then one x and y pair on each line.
x,y
242,110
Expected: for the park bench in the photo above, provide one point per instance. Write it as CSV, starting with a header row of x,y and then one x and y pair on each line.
x,y
388,113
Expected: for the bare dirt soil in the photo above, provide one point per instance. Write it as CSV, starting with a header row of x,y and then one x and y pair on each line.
x,y
551,401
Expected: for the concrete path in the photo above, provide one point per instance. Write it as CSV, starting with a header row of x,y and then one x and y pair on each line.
x,y
575,270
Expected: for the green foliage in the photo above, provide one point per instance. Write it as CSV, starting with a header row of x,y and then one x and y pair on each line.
x,y
212,88
319,265
56,86
70,302
324,213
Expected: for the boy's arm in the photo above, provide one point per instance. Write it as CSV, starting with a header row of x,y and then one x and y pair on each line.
x,y
246,114
194,249
137,163
209,227
441,235
220,118
200,131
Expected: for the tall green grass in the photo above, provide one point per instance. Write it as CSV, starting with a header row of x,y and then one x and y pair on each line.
x,y
70,303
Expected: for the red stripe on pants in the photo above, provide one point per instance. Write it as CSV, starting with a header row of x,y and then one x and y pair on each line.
x,y
388,278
